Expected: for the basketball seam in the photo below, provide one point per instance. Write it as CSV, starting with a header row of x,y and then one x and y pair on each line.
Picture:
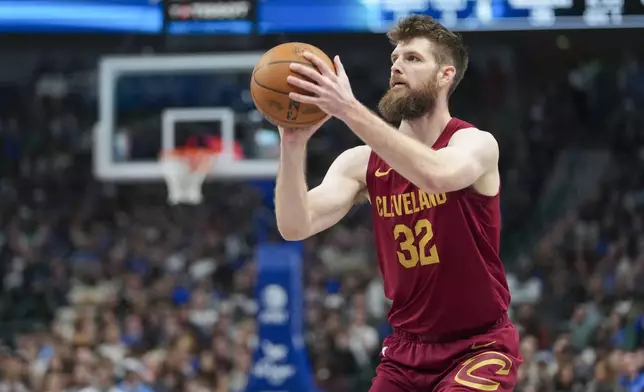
x,y
265,112
277,62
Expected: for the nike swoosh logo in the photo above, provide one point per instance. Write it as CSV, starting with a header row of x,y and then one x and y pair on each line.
x,y
479,346
382,174
384,349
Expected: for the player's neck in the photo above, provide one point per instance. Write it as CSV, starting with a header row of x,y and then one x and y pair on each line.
x,y
428,128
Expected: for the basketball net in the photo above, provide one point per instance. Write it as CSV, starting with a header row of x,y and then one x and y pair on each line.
x,y
185,170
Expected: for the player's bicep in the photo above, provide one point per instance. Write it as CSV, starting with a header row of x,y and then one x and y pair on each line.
x,y
333,198
469,156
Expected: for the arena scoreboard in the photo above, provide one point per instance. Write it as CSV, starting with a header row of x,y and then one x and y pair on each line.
x,y
363,16
279,16
210,16
181,17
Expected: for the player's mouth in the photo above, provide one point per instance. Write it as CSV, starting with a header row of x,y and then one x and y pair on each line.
x,y
396,84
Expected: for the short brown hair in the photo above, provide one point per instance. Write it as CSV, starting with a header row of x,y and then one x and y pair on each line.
x,y
450,48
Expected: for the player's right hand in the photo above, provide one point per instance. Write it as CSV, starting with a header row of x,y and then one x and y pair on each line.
x,y
300,135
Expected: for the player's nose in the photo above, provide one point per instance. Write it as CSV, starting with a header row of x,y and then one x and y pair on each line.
x,y
395,69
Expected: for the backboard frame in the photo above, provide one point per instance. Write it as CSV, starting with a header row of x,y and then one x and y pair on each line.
x,y
112,67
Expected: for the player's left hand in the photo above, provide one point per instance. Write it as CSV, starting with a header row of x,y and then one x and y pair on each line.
x,y
332,91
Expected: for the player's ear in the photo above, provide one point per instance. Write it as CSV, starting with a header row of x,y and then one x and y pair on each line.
x,y
446,75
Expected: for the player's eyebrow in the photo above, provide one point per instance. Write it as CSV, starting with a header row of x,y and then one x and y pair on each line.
x,y
395,55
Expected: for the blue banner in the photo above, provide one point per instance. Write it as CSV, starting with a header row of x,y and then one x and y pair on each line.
x,y
280,363
94,16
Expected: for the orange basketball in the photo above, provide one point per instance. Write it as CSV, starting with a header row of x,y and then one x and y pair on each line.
x,y
270,89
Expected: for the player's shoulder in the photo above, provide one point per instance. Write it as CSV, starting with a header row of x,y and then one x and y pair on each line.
x,y
362,150
356,156
472,132
475,137
354,161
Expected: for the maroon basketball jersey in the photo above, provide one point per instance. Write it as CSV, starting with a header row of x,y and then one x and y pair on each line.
x,y
438,253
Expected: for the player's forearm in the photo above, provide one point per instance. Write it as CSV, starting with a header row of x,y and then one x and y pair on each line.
x,y
413,160
291,207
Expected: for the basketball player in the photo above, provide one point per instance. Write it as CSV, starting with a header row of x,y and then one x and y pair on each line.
x,y
434,189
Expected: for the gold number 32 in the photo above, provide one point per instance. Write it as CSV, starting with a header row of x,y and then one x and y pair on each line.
x,y
414,244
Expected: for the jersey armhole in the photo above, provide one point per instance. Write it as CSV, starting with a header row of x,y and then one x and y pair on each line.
x,y
372,164
471,192
363,196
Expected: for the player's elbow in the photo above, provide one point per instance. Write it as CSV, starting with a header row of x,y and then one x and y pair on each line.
x,y
292,225
293,233
293,236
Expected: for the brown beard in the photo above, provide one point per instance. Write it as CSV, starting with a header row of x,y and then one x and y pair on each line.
x,y
402,103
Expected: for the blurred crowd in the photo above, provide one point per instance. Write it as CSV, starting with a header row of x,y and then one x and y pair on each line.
x,y
578,299
106,288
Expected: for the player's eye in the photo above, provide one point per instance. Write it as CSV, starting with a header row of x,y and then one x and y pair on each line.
x,y
412,58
